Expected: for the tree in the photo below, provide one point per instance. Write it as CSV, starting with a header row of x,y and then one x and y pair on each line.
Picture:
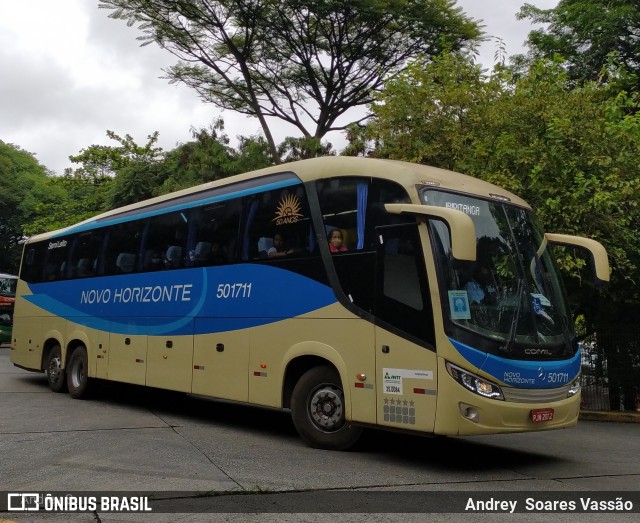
x,y
585,33
78,197
133,168
23,181
304,62
210,157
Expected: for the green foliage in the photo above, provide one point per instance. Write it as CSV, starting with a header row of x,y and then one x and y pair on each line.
x,y
131,166
433,112
292,149
209,157
585,33
98,161
78,197
305,62
24,183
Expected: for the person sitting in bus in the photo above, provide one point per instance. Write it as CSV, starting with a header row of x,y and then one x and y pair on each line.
x,y
479,288
336,241
278,250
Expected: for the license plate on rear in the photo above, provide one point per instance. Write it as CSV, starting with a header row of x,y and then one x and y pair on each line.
x,y
541,415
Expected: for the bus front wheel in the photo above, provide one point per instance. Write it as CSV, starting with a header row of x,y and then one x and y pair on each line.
x,y
56,377
317,410
77,373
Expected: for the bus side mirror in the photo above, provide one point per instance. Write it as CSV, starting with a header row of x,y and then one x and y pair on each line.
x,y
461,228
597,251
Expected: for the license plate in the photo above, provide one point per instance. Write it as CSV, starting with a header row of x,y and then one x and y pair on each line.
x,y
541,415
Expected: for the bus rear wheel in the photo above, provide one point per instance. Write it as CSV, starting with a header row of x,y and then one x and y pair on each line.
x,y
56,377
317,410
77,373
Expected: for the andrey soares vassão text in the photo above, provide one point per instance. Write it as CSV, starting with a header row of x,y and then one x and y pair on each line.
x,y
581,504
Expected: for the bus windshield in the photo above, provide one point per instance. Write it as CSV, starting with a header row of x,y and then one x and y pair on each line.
x,y
511,295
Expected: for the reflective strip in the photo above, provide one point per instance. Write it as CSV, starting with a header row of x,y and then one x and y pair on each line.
x,y
428,392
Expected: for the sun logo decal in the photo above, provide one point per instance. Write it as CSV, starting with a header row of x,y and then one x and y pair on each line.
x,y
288,210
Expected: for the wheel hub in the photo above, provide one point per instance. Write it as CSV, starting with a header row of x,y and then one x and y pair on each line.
x,y
327,410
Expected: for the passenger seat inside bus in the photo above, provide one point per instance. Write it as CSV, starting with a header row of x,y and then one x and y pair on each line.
x,y
126,261
201,253
85,268
174,256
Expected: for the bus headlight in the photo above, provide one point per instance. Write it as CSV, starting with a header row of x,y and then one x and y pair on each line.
x,y
475,383
574,388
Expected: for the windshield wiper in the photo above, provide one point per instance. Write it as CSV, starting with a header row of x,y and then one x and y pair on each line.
x,y
511,338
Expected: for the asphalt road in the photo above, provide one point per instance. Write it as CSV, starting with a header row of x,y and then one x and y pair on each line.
x,y
129,438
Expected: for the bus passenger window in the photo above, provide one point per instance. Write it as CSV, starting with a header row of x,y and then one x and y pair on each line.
x,y
277,225
213,232
121,251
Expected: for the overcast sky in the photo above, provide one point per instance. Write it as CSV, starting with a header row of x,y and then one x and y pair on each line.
x,y
69,73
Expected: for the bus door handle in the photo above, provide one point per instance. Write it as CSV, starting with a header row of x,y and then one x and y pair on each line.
x,y
385,349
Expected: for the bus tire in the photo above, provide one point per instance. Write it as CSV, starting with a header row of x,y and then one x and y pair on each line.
x,y
78,373
56,377
317,410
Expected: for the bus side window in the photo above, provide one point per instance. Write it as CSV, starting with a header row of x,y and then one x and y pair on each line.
x,y
122,248
32,266
85,252
282,213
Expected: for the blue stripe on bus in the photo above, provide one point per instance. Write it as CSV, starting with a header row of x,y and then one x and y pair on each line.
x,y
522,374
220,299
183,206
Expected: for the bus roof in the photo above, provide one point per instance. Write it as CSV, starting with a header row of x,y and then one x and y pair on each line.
x,y
406,174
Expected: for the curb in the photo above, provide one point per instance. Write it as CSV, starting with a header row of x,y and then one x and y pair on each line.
x,y
612,416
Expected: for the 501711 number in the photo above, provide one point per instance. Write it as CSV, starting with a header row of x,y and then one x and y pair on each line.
x,y
233,290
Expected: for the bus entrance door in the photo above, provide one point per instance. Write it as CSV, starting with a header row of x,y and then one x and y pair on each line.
x,y
405,368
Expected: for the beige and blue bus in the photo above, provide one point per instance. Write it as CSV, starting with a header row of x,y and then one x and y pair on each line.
x,y
353,292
